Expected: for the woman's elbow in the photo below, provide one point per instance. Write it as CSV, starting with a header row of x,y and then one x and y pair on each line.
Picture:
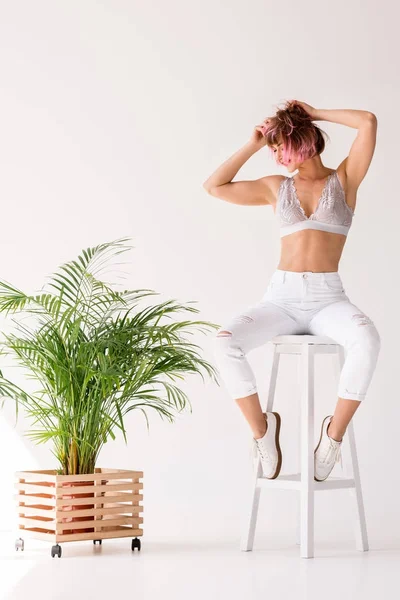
x,y
209,188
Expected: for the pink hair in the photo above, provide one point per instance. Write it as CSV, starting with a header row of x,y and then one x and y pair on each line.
x,y
292,126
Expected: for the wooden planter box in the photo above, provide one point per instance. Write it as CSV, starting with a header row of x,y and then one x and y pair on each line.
x,y
71,508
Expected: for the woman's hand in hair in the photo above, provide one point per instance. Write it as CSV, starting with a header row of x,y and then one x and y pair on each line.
x,y
258,136
310,110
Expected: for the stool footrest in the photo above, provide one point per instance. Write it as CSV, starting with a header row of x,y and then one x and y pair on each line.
x,y
293,482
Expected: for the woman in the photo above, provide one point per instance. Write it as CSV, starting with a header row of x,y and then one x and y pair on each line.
x,y
305,294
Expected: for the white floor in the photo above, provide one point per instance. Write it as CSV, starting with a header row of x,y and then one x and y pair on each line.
x,y
197,569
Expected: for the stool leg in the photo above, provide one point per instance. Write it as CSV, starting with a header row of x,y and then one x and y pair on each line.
x,y
273,379
249,529
298,465
298,518
356,492
307,453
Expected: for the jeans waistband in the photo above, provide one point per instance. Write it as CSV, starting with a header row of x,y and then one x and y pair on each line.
x,y
282,275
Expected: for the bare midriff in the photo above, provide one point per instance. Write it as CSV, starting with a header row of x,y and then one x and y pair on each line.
x,y
311,250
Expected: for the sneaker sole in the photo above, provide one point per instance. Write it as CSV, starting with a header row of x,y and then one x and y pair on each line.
x,y
277,432
320,438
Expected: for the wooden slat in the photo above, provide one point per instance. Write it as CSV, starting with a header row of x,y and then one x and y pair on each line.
x,y
28,499
135,499
129,472
37,522
110,520
119,532
99,535
51,513
119,509
112,482
41,529
48,476
27,511
89,489
99,500
36,488
104,474
107,522
51,475
131,497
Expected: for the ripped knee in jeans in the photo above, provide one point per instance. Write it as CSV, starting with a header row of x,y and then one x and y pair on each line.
x,y
239,319
362,319
224,333
244,319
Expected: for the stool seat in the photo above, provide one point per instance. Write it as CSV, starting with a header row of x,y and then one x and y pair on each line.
x,y
306,347
302,339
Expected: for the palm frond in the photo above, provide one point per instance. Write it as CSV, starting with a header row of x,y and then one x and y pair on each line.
x,y
96,355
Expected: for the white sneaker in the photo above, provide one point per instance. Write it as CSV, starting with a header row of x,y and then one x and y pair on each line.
x,y
267,447
327,453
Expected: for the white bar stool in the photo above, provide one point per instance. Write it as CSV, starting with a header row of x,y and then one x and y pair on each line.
x,y
307,346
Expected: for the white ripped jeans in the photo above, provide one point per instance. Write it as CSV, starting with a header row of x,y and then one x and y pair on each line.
x,y
299,303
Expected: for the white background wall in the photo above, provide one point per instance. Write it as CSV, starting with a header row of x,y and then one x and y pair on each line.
x,y
112,115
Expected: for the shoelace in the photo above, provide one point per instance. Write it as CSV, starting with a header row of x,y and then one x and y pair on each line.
x,y
334,451
263,453
256,449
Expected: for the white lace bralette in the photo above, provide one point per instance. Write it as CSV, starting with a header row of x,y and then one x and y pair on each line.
x,y
332,213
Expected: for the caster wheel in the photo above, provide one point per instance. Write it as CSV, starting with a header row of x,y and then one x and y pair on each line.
x,y
95,542
19,544
136,544
56,551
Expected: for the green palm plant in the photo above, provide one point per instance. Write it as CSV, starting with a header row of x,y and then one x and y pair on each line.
x,y
95,356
